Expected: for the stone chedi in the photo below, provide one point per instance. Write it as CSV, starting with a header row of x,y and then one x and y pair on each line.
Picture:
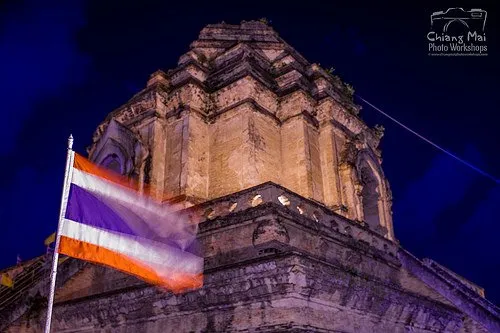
x,y
268,151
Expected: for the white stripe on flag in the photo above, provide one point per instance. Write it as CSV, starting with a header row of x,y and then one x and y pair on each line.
x,y
153,254
109,189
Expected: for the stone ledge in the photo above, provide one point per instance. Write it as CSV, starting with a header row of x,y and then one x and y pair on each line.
x,y
302,208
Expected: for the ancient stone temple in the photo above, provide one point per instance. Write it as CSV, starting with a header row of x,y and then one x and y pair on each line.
x,y
296,226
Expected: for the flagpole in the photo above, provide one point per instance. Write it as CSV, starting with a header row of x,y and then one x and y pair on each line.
x,y
64,201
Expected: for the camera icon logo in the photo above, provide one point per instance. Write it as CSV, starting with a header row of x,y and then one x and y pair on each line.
x,y
473,20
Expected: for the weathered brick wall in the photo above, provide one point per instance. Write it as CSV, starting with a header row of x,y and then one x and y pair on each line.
x,y
198,157
268,267
229,153
329,156
243,108
273,294
175,132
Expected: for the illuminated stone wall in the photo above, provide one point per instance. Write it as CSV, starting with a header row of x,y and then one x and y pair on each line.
x,y
243,108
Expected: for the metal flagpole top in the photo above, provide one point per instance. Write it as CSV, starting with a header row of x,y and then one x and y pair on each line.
x,y
55,256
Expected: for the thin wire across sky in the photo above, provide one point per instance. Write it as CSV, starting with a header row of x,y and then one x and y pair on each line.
x,y
447,152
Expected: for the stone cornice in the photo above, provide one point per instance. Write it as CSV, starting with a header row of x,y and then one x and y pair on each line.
x,y
257,107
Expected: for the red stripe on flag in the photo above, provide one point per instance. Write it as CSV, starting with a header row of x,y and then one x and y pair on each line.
x,y
85,165
155,193
176,282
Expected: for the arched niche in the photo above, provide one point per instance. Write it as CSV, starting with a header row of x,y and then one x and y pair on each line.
x,y
114,157
370,194
113,163
373,194
119,149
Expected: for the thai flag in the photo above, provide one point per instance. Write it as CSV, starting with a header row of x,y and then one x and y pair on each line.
x,y
110,222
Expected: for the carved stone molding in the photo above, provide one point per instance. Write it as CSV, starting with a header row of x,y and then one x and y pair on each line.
x,y
131,111
349,154
269,230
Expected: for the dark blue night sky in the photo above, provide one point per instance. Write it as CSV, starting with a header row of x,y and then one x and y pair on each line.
x,y
65,65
